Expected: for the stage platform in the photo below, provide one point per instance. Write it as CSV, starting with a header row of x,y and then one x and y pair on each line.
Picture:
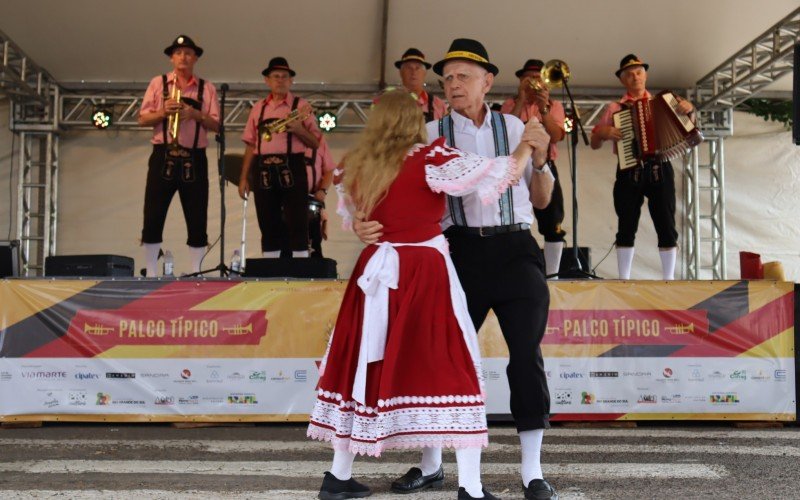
x,y
218,350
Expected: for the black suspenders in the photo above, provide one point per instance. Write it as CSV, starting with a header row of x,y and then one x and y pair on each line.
x,y
165,96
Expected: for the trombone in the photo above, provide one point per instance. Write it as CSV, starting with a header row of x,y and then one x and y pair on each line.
x,y
173,122
555,74
268,129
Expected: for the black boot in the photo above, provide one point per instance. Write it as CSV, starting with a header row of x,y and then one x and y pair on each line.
x,y
336,489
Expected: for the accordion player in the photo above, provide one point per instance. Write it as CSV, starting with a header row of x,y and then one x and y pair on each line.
x,y
653,129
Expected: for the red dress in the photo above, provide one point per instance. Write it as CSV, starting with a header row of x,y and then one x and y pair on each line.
x,y
425,389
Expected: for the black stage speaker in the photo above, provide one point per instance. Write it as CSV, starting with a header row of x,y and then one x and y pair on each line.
x,y
88,265
290,268
796,96
568,259
9,259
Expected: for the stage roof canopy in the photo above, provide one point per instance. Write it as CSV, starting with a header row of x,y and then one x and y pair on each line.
x,y
339,41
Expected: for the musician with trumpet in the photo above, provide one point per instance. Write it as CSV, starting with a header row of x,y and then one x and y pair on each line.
x,y
279,131
651,178
181,108
533,101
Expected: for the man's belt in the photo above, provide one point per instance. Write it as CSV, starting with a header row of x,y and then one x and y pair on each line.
x,y
489,230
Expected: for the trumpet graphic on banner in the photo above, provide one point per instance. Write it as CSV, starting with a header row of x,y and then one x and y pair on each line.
x,y
239,329
98,330
680,329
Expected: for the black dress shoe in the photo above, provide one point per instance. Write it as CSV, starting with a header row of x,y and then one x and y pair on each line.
x,y
539,489
336,489
413,480
463,495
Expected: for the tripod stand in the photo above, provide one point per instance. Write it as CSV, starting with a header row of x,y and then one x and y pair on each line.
x,y
576,270
221,267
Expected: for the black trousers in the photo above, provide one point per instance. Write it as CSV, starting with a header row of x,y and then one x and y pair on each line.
x,y
549,218
505,273
187,174
280,202
656,181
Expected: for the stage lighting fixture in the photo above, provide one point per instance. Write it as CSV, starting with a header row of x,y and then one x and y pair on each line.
x,y
101,117
568,124
327,121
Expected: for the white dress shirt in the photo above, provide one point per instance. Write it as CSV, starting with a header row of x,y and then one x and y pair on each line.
x,y
480,140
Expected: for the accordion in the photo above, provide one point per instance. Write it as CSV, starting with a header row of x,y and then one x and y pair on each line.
x,y
653,130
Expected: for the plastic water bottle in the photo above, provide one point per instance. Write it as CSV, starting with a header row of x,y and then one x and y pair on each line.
x,y
169,264
236,262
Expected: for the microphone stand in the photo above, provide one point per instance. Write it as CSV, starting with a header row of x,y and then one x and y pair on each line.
x,y
220,137
576,270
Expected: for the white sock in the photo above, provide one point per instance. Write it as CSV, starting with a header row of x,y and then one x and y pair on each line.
x,y
531,444
624,262
668,262
151,258
469,471
196,254
298,254
271,255
431,460
342,466
552,256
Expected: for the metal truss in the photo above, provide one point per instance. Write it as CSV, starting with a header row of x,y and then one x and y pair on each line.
x,y
37,195
21,79
704,244
752,68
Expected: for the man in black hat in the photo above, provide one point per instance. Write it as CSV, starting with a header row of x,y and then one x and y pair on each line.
x,y
533,100
652,178
497,260
413,68
274,165
178,161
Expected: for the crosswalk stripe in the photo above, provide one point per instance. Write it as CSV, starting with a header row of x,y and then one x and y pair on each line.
x,y
372,469
231,446
205,495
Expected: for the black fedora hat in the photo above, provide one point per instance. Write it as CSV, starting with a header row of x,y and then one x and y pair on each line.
x,y
183,41
277,63
466,49
629,61
415,55
530,65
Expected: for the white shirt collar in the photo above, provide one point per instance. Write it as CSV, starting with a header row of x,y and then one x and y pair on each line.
x,y
461,122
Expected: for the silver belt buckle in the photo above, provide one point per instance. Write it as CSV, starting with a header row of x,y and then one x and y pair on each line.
x,y
480,232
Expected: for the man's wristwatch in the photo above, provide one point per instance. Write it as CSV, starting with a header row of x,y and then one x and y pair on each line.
x,y
323,190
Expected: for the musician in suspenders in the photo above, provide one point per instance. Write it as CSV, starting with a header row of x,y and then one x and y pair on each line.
x,y
413,69
181,108
529,103
651,178
497,259
274,165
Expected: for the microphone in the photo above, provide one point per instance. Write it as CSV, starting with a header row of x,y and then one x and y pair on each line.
x,y
224,87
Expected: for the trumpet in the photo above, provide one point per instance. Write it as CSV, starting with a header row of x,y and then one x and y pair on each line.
x,y
554,74
173,122
268,129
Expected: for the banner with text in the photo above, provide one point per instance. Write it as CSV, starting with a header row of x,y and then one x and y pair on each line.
x,y
145,350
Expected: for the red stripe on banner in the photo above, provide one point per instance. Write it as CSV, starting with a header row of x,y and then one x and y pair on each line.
x,y
744,333
626,326
180,295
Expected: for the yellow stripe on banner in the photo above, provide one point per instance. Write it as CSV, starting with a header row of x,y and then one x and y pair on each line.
x,y
234,417
779,346
22,299
780,417
762,292
667,295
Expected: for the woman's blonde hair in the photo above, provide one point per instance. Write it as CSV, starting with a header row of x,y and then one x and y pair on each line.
x,y
395,124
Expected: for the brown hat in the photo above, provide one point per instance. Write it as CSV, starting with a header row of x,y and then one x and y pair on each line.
x,y
629,61
183,41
